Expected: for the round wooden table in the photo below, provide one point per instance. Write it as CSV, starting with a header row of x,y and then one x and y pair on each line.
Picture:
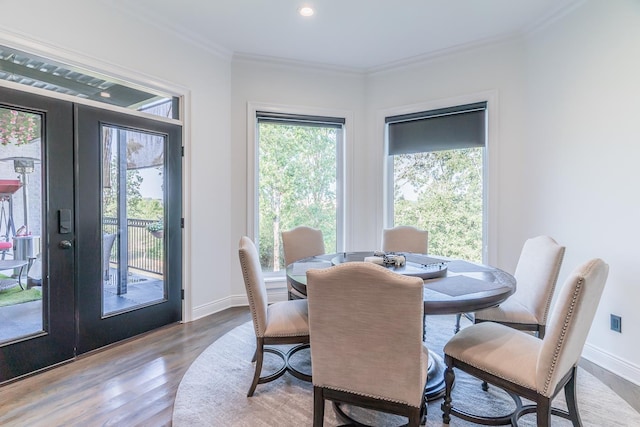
x,y
462,287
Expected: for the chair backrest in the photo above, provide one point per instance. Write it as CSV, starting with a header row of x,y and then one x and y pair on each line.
x,y
254,284
536,275
365,327
107,245
405,238
569,325
301,242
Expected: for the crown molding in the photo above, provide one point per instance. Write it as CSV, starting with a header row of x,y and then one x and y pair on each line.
x,y
278,61
552,16
166,25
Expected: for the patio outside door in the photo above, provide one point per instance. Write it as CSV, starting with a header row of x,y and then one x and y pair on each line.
x,y
90,229
129,213
37,301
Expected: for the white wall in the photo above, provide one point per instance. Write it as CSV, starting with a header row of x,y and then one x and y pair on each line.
x,y
124,44
582,151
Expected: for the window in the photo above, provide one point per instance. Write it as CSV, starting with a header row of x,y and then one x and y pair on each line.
x,y
299,166
437,168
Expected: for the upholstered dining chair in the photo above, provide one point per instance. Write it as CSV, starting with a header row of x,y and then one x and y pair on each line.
x,y
366,340
405,238
523,365
297,243
284,322
536,276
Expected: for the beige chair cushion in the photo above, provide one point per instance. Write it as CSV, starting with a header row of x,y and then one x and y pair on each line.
x,y
499,350
405,238
536,276
510,311
287,318
365,325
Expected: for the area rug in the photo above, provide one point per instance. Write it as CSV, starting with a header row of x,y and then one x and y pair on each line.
x,y
213,392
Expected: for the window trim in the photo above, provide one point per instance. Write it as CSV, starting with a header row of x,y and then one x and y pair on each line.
x,y
343,174
490,170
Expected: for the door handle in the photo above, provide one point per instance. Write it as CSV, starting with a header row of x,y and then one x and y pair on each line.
x,y
65,244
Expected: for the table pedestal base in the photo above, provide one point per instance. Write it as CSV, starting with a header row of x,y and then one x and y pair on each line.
x,y
435,379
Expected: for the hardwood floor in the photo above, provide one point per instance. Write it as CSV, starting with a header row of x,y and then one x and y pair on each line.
x,y
132,383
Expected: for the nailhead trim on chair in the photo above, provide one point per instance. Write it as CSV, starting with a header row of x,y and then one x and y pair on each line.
x,y
368,395
245,274
563,334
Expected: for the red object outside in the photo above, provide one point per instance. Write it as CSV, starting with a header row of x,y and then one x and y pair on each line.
x,y
9,186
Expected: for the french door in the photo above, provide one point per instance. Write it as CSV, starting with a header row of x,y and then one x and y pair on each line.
x,y
129,226
37,262
90,229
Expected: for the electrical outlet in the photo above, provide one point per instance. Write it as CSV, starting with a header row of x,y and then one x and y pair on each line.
x,y
616,323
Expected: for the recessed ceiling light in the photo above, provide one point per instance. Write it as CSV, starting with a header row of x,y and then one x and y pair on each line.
x,y
306,11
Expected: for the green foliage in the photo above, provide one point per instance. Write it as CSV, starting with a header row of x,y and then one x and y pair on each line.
x,y
137,206
18,127
155,226
441,192
15,295
297,185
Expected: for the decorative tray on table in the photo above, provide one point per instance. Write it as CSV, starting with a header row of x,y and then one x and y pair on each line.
x,y
408,264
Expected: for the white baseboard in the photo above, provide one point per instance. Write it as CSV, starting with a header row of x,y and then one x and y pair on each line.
x,y
274,295
612,363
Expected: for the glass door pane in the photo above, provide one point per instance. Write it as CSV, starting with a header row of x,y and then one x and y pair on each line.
x,y
20,224
132,219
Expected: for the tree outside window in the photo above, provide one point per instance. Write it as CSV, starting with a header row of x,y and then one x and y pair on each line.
x,y
438,169
297,184
441,192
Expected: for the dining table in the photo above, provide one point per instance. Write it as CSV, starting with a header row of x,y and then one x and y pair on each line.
x,y
451,286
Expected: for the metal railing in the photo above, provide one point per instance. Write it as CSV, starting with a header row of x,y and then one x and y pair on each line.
x,y
146,252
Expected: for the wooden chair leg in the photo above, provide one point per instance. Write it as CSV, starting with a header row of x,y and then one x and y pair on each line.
x,y
414,417
449,377
572,401
543,412
318,407
259,356
457,327
424,410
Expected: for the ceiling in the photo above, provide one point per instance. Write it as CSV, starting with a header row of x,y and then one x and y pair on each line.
x,y
359,35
